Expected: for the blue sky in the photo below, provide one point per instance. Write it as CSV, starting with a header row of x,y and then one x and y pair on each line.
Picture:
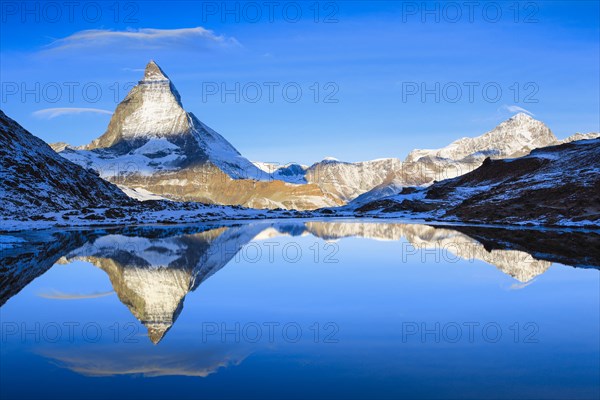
x,y
361,67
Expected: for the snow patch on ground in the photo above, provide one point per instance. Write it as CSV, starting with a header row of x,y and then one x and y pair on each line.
x,y
140,194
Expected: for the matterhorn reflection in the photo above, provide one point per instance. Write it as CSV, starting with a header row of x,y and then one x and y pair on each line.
x,y
152,275
152,269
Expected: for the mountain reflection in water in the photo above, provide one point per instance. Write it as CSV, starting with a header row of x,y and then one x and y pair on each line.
x,y
152,269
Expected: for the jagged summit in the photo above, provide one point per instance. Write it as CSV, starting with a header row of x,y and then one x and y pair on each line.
x,y
151,128
515,137
151,110
154,73
156,77
153,143
522,117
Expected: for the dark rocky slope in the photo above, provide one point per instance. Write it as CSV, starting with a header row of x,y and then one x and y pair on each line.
x,y
35,179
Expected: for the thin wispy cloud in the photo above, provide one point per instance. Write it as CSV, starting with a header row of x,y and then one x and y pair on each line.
x,y
169,362
521,285
74,296
515,109
50,113
148,38
502,113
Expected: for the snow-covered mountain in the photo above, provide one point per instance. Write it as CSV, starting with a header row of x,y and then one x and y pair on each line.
x,y
152,143
40,189
580,136
34,179
291,172
515,137
151,126
153,147
349,180
366,181
555,185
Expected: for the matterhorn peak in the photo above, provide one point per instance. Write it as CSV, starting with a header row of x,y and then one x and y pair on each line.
x,y
151,131
154,73
151,110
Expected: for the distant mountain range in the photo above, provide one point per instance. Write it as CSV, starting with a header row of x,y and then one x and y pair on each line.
x,y
152,145
155,151
555,185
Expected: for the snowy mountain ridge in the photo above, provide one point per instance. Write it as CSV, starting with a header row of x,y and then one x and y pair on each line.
x,y
514,137
153,145
555,185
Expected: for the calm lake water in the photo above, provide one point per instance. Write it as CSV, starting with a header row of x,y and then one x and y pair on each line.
x,y
297,309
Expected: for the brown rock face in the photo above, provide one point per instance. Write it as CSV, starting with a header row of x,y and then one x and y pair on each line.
x,y
208,184
552,184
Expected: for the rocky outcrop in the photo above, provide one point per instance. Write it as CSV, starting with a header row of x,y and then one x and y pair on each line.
x,y
35,179
515,137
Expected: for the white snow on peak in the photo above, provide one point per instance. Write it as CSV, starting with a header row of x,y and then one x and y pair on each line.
x,y
154,73
158,114
152,114
223,154
514,137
